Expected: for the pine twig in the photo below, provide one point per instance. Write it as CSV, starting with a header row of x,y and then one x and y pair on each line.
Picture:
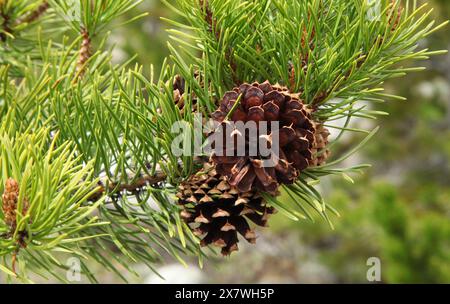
x,y
85,53
5,26
34,15
21,243
114,188
213,29
394,14
10,198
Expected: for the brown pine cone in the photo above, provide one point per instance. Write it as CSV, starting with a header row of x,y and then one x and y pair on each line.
x,y
217,212
264,102
10,199
320,151
9,202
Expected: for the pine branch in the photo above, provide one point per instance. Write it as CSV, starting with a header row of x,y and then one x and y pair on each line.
x,y
117,123
134,187
5,26
37,215
35,14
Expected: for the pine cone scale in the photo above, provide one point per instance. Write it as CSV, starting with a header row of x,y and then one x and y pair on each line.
x,y
266,103
223,216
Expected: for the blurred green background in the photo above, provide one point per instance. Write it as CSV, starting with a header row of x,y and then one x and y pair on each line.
x,y
398,211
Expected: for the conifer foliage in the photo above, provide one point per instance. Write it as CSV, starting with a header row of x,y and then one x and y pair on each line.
x,y
87,166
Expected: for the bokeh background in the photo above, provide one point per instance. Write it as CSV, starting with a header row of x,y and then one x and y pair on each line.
x,y
397,211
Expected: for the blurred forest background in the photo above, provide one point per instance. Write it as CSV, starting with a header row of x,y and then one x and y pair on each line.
x,y
397,211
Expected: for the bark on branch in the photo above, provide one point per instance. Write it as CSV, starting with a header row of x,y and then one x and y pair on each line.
x,y
85,53
34,15
114,188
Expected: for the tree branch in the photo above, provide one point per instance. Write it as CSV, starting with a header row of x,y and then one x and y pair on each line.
x,y
214,30
34,15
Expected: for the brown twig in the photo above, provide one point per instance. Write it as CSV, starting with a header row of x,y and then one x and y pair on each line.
x,y
395,17
215,30
21,244
142,182
210,19
6,29
85,53
34,15
394,21
114,188
291,77
307,44
14,260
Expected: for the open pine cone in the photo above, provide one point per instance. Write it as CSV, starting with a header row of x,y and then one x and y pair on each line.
x,y
217,211
264,102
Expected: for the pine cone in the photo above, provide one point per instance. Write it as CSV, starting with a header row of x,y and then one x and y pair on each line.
x,y
217,211
10,198
264,102
9,202
319,150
